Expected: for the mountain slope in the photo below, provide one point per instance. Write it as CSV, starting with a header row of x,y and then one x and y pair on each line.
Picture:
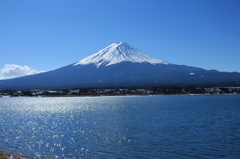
x,y
120,65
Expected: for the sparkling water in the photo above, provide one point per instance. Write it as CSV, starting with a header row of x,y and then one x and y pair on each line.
x,y
121,127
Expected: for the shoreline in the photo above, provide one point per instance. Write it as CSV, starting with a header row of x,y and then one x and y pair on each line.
x,y
119,95
92,92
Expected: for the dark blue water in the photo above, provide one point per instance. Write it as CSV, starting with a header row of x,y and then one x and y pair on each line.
x,y
122,127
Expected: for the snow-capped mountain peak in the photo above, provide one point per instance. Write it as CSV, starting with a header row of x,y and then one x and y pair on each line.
x,y
116,53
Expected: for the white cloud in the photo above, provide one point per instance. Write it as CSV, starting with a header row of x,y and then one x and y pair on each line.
x,y
32,72
13,70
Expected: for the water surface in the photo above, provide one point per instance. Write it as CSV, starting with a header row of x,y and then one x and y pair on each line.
x,y
122,127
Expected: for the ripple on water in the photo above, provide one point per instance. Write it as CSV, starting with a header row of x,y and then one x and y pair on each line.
x,y
125,127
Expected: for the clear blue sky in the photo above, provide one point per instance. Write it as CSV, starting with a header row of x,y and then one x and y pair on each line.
x,y
48,34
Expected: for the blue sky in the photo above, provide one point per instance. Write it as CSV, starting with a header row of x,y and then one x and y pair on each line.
x,y
42,35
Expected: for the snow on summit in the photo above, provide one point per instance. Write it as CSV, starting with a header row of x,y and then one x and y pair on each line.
x,y
116,53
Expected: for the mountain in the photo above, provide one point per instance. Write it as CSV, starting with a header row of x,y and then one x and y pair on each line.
x,y
121,65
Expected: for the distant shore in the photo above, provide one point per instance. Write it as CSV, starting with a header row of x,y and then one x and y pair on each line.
x,y
119,95
97,92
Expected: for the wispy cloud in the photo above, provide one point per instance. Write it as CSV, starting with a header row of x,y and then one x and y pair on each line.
x,y
13,70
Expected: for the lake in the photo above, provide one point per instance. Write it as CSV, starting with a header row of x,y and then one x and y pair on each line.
x,y
182,126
